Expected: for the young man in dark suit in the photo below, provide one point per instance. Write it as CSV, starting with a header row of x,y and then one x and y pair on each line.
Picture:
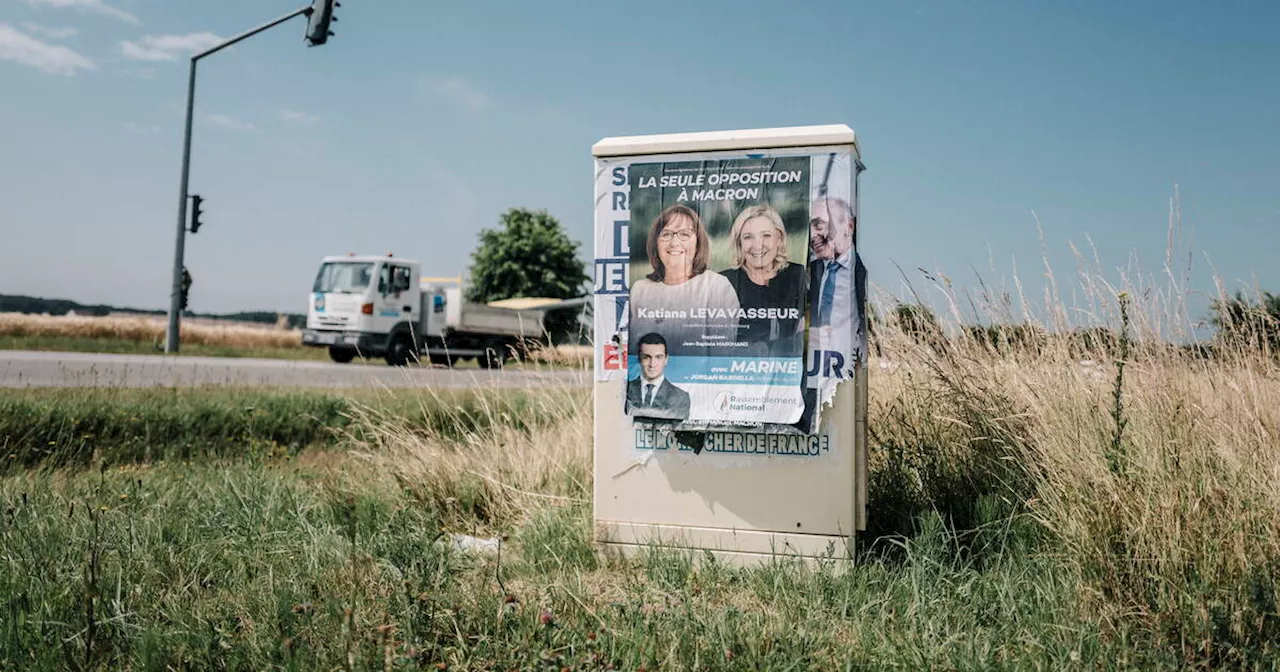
x,y
652,395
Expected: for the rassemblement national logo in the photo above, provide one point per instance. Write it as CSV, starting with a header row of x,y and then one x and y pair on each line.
x,y
728,401
723,400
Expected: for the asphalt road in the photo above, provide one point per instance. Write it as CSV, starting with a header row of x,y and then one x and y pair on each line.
x,y
20,368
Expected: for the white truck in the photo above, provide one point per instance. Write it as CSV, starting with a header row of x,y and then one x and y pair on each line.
x,y
380,306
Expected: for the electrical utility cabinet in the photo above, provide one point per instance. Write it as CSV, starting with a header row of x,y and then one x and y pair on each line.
x,y
730,343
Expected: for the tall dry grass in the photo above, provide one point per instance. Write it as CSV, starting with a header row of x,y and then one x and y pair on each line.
x,y
1150,460
1154,484
568,355
1159,484
1033,504
490,474
144,329
1146,468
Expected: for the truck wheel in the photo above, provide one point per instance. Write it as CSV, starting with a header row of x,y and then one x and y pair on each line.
x,y
493,356
341,355
399,351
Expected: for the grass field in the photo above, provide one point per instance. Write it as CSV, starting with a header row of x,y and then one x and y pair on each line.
x,y
145,336
148,330
1031,506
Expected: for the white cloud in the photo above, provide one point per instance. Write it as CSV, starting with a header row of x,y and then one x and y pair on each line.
x,y
230,123
137,73
167,47
300,118
52,58
139,129
87,6
304,148
456,90
51,33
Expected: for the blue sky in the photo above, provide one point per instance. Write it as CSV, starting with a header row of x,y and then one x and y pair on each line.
x,y
419,123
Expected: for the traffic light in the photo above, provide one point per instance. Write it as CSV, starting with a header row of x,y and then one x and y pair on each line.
x,y
318,21
195,212
186,287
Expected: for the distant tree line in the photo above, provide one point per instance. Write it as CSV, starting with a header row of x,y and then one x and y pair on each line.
x,y
1243,323
37,306
33,305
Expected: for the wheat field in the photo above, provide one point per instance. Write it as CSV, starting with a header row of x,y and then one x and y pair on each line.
x,y
145,329
208,336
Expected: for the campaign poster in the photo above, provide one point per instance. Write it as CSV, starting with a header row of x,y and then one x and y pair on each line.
x,y
612,260
718,290
837,337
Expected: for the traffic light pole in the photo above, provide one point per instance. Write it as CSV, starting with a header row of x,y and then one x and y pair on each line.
x,y
175,297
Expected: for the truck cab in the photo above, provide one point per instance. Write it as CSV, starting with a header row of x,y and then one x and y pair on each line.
x,y
363,305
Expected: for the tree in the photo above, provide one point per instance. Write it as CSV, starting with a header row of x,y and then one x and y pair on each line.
x,y
918,322
1004,338
528,255
1244,323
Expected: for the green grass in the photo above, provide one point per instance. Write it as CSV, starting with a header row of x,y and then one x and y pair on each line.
x,y
229,528
79,426
279,565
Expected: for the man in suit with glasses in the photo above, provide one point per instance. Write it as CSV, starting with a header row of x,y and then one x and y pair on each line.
x,y
837,277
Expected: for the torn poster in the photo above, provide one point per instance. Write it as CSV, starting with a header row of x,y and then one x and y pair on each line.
x,y
837,336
